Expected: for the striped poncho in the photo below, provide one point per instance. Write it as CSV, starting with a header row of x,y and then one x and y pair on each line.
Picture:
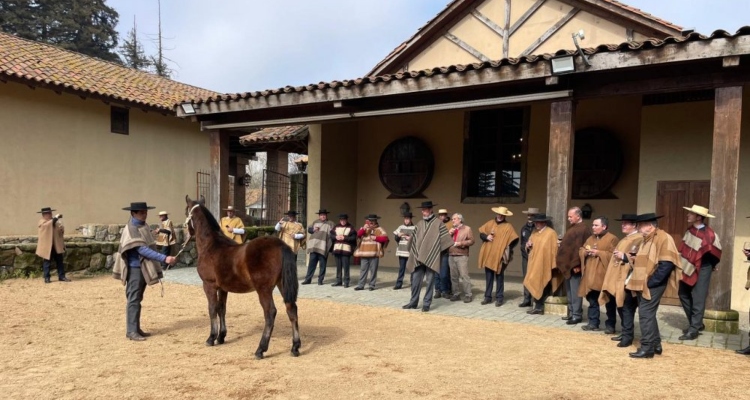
x,y
430,238
697,245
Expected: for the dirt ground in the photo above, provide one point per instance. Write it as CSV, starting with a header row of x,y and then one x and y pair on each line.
x,y
68,341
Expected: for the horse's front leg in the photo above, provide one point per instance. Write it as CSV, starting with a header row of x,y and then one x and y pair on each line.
x,y
222,310
212,297
269,312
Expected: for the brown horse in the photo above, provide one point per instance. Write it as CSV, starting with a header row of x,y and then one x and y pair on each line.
x,y
259,265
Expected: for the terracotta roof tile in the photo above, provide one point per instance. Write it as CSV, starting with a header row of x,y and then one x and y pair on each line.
x,y
277,134
607,48
644,14
39,63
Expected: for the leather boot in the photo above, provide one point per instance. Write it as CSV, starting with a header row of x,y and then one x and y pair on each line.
x,y
744,352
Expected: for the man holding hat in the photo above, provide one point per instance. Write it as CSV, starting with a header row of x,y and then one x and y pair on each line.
x,y
569,263
344,239
498,240
232,226
654,268
700,251
429,240
595,256
165,237
542,276
51,245
372,242
526,230
443,283
613,288
318,246
138,265
291,232
403,235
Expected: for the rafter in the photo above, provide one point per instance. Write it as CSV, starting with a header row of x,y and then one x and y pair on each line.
x,y
551,31
466,47
525,16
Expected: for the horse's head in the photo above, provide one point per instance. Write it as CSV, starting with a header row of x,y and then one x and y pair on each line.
x,y
190,206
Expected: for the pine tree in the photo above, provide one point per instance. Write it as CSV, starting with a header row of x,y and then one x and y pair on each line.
x,y
132,51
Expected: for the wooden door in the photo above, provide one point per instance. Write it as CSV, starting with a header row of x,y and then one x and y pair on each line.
x,y
671,196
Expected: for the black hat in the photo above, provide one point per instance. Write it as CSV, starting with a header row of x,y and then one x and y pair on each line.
x,y
408,215
372,217
294,213
322,211
541,218
138,206
647,217
427,204
343,216
628,217
45,210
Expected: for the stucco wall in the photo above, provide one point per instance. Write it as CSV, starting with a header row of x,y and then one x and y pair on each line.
x,y
58,151
677,145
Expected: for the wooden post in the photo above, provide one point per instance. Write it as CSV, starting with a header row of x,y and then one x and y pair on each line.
x,y
723,202
219,142
560,164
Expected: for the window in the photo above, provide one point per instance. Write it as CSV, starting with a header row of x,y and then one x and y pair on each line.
x,y
119,120
495,156
406,168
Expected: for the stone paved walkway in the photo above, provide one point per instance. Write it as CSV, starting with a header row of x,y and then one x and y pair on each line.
x,y
671,318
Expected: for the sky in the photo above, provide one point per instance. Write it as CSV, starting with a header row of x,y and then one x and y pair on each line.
x,y
235,46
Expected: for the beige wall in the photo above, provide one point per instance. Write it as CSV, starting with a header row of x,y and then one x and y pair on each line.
x,y
477,35
677,145
58,151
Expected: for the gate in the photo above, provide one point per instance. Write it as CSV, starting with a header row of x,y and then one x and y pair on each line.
x,y
203,187
281,193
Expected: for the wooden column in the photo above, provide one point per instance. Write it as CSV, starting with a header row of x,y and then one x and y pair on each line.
x,y
238,167
560,163
219,197
723,203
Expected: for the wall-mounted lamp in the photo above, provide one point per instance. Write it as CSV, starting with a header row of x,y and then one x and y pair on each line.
x,y
586,211
563,65
245,181
188,108
580,35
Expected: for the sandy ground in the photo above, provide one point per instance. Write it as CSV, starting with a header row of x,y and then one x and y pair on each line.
x,y
68,341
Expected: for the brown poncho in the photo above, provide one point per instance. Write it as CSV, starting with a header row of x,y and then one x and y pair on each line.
x,y
617,271
595,267
430,238
541,269
492,254
567,254
657,246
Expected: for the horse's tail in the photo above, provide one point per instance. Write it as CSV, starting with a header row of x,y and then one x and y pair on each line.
x,y
289,283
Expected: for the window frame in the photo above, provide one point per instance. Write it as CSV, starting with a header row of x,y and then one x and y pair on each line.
x,y
521,198
119,112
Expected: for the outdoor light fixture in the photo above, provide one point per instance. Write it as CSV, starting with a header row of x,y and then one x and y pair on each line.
x,y
245,181
188,108
580,35
586,211
563,65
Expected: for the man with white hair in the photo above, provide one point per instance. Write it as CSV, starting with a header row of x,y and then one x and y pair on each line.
x,y
458,258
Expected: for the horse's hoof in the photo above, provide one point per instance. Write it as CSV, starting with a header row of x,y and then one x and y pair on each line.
x,y
295,353
209,343
220,341
258,356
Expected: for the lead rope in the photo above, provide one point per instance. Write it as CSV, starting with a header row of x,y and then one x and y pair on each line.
x,y
184,244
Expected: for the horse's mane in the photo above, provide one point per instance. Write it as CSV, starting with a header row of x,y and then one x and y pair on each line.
x,y
212,222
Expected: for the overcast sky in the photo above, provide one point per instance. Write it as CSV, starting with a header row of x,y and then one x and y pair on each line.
x,y
245,45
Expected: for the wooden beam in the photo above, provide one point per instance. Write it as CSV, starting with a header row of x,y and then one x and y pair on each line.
x,y
723,202
466,47
488,22
551,31
617,14
525,17
219,159
560,162
506,37
731,61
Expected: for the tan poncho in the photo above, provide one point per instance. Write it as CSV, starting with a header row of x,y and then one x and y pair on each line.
x,y
495,254
430,238
234,223
287,232
595,267
657,246
542,269
617,271
49,236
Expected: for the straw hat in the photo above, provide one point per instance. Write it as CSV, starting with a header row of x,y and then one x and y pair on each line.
x,y
163,213
503,211
531,211
229,208
702,211
442,211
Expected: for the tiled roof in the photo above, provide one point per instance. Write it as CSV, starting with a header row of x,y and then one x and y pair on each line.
x,y
644,14
623,47
277,134
59,69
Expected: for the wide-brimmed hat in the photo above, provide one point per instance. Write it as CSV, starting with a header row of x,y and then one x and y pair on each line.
x,y
442,211
229,208
427,204
322,211
163,213
291,212
343,216
531,211
408,215
541,218
702,211
45,210
647,217
138,206
503,211
372,217
628,218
